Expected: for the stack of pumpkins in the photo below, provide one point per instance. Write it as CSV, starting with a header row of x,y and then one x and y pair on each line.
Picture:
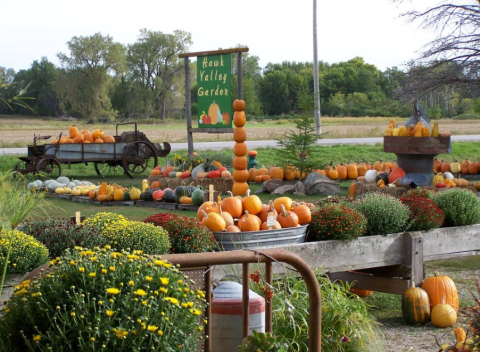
x,y
437,300
75,136
240,175
237,214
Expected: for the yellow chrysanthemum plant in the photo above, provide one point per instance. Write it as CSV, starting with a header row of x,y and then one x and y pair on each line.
x,y
104,300
16,205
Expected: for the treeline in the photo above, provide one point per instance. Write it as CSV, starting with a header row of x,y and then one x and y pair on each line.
x,y
99,79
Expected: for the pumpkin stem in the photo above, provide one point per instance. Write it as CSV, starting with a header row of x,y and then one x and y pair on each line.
x,y
284,211
204,214
230,193
247,215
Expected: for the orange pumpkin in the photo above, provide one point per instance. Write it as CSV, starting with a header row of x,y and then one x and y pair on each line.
x,y
156,172
333,174
240,175
303,213
439,287
97,134
240,149
108,139
464,166
213,221
73,131
240,188
156,184
207,207
92,194
352,189
252,174
238,105
265,178
79,138
352,171
252,153
342,172
233,206
239,119
98,140
263,170
276,226
266,209
240,134
240,163
255,217
287,218
248,223
360,292
289,173
444,167
259,178
285,201
276,172
252,204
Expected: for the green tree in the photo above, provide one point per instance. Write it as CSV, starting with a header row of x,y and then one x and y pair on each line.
x,y
43,77
86,78
156,69
274,92
297,147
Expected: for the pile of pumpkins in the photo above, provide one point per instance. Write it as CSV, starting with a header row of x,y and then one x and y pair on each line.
x,y
289,173
418,130
84,136
436,300
205,170
243,214
62,185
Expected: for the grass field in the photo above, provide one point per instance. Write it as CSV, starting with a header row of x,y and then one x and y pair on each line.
x,y
18,131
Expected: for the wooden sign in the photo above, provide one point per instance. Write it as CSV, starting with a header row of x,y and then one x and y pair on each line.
x,y
214,91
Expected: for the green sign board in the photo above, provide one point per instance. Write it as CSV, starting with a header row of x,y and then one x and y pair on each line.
x,y
213,91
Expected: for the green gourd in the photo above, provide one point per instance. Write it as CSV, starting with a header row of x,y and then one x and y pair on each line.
x,y
169,196
197,197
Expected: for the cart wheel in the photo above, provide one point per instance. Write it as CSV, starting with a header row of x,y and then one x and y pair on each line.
x,y
50,167
108,168
23,167
136,158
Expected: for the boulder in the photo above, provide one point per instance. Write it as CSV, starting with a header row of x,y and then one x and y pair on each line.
x,y
299,189
270,185
284,189
316,183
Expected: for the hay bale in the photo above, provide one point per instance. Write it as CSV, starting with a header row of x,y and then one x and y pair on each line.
x,y
366,187
220,184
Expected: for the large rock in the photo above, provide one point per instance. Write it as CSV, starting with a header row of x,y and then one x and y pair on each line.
x,y
299,189
270,185
316,183
284,189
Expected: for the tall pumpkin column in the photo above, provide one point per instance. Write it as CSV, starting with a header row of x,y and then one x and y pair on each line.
x,y
240,174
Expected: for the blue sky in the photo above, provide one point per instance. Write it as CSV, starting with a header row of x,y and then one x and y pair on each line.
x,y
274,30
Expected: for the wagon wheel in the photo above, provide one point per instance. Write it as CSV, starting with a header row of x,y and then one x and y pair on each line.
x,y
136,158
50,166
110,168
23,167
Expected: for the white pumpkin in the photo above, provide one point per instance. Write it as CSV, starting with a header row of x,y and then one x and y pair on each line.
x,y
448,175
370,175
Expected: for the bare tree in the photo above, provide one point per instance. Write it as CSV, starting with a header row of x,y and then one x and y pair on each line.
x,y
453,58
